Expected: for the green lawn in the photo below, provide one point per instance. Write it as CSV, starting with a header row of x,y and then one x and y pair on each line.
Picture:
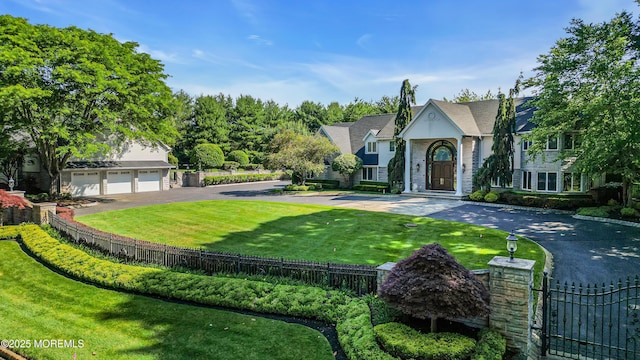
x,y
307,232
37,304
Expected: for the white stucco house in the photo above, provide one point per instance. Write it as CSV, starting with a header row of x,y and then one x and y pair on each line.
x,y
448,142
133,168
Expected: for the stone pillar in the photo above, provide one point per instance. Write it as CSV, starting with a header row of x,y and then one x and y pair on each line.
x,y
40,212
383,272
510,285
19,193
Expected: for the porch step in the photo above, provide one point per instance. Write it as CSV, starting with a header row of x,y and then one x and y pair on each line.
x,y
435,194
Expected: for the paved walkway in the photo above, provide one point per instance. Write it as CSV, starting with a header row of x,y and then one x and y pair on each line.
x,y
584,251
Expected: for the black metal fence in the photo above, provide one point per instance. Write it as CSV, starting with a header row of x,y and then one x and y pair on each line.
x,y
361,279
592,322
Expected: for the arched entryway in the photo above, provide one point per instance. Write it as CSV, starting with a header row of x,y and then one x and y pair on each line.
x,y
441,164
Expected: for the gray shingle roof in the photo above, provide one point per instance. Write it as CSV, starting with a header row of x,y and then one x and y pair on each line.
x,y
114,164
461,115
339,135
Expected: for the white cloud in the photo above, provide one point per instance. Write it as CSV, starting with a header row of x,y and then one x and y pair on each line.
x,y
363,41
226,60
247,9
160,54
259,40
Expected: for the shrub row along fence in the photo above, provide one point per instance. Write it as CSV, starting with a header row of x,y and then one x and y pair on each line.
x,y
361,279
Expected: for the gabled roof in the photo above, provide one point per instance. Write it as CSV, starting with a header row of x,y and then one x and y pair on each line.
x,y
339,135
460,114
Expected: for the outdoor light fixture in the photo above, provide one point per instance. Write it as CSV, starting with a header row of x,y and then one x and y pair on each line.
x,y
418,167
512,245
11,183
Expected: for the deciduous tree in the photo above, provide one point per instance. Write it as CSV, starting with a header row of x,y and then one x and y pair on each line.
x,y
303,155
589,83
63,88
432,284
347,165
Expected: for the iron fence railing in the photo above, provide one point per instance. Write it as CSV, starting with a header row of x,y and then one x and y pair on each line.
x,y
361,279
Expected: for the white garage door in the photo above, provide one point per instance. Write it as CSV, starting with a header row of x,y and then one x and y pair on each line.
x,y
118,182
85,183
148,180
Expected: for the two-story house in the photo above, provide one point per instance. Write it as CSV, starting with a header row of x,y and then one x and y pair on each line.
x,y
448,142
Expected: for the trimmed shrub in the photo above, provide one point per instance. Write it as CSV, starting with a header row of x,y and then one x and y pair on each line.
x,y
293,187
230,165
350,315
326,184
554,201
239,156
613,202
491,346
407,343
241,178
594,211
492,197
628,212
207,155
478,195
372,188
253,167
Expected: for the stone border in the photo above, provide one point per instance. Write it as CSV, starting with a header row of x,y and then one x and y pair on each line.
x,y
10,355
607,220
519,207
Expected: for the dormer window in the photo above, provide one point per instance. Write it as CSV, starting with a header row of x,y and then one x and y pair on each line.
x,y
372,147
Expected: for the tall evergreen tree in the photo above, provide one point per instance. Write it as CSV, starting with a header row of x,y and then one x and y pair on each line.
x,y
403,117
499,165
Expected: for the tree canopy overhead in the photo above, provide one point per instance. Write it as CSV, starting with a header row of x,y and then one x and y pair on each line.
x,y
589,86
65,87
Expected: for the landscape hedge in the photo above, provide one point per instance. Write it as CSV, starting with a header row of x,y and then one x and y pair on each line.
x,y
491,346
366,187
326,184
240,178
408,343
351,315
552,201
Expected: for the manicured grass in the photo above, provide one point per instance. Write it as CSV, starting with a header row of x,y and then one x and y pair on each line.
x,y
308,232
37,303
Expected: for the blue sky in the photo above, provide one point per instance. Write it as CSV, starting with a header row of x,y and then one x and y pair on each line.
x,y
331,50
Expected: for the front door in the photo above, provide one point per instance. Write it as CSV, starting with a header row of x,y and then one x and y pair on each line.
x,y
442,175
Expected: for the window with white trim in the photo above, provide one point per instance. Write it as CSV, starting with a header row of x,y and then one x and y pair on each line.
x,y
572,182
372,147
498,183
526,145
547,181
370,173
552,143
526,180
392,146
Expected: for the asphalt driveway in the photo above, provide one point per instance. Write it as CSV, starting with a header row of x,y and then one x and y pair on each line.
x,y
584,251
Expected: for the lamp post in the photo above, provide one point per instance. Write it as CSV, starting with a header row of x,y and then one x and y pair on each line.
x,y
512,245
11,183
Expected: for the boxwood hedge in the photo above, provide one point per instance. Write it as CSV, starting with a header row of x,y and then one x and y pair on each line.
x,y
351,315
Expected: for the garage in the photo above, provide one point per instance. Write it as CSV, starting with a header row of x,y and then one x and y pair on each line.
x,y
148,180
85,183
119,182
